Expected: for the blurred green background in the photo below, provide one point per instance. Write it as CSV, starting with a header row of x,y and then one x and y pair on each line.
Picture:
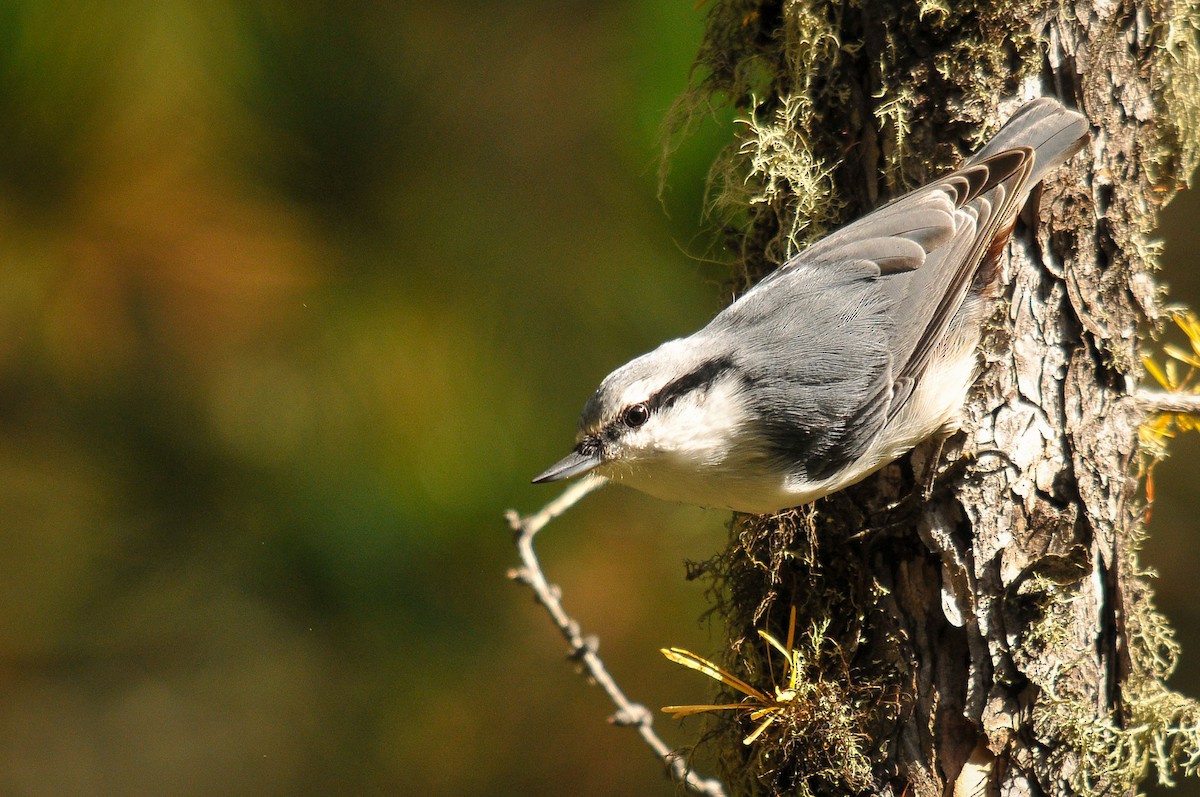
x,y
295,299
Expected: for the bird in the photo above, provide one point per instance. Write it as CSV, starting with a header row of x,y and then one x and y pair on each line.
x,y
839,361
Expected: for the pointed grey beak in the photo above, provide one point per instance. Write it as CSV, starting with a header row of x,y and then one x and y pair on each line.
x,y
585,457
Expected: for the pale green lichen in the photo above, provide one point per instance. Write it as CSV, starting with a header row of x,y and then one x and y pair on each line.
x,y
1047,636
934,11
1092,753
1178,153
1170,724
1111,753
777,178
807,64
785,175
1099,755
894,117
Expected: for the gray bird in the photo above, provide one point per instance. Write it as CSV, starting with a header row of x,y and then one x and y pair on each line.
x,y
839,361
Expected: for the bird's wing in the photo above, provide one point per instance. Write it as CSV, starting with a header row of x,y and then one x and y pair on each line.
x,y
969,257
926,248
902,234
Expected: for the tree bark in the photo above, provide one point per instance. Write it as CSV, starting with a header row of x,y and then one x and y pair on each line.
x,y
992,634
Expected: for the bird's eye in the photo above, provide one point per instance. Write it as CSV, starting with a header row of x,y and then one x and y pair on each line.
x,y
635,415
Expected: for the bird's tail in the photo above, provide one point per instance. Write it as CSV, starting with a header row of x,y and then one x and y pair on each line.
x,y
1051,130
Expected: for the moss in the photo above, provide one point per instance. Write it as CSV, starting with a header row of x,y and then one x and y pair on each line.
x,y
833,96
820,738
846,699
1111,753
1178,112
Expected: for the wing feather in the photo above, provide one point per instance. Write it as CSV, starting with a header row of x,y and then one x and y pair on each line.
x,y
879,297
924,249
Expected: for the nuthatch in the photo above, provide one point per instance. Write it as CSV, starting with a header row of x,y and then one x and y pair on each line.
x,y
839,361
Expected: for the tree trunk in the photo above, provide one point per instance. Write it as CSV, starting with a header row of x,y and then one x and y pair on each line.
x,y
972,619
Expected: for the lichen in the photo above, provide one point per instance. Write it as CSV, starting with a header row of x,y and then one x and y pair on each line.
x,y
1178,151
1045,637
819,94
832,734
1155,725
784,175
1104,755
773,191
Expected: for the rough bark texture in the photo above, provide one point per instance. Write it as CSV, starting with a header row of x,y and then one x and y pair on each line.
x,y
994,635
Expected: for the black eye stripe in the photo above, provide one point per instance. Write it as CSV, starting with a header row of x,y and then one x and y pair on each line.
x,y
700,377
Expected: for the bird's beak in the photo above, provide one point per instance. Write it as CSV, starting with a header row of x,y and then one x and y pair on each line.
x,y
585,457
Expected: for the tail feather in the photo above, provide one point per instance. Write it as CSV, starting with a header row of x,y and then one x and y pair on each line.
x,y
1051,130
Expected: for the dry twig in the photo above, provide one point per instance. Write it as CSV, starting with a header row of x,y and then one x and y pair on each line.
x,y
583,649
1156,401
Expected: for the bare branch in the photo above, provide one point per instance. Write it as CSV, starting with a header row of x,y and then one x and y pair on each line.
x,y
1157,401
583,648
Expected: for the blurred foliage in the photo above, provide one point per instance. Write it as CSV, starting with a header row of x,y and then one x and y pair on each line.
x,y
295,298
1171,547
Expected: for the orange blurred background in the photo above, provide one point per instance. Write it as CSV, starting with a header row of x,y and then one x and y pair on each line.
x,y
295,299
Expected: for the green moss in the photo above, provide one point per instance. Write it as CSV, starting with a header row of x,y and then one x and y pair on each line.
x,y
845,700
1178,153
829,100
820,739
1111,753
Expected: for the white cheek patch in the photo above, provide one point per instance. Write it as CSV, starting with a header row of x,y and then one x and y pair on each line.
x,y
702,426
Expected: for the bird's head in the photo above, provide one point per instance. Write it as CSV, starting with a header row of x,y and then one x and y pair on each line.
x,y
658,417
